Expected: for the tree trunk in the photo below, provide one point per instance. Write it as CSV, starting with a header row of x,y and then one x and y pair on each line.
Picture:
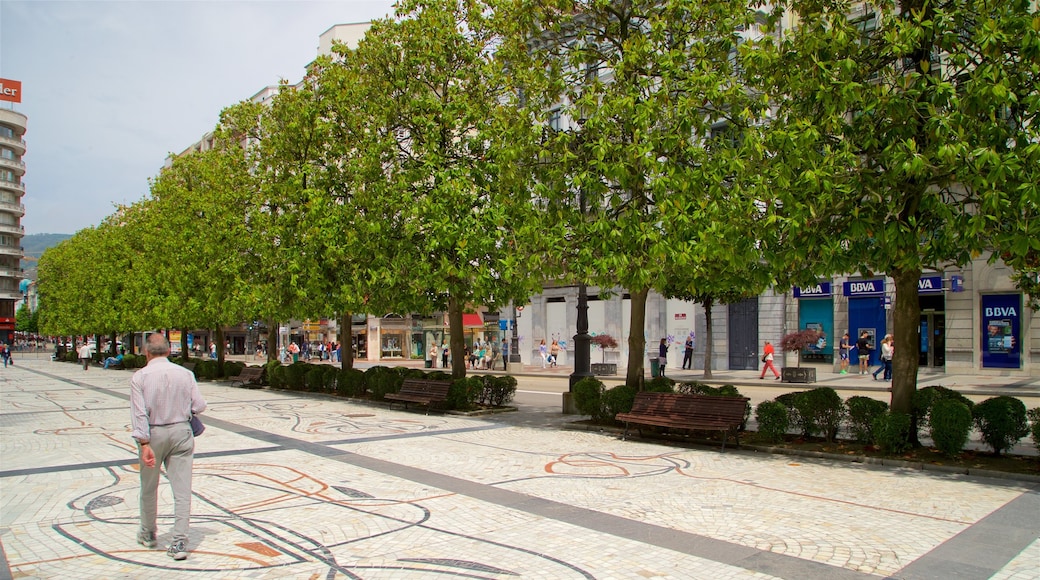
x,y
707,303
637,339
906,322
273,336
458,341
184,345
113,349
219,334
346,341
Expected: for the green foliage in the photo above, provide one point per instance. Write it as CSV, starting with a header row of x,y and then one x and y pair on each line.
x,y
773,419
950,422
315,380
132,361
862,411
277,374
464,392
1034,429
1002,422
497,390
350,383
207,370
817,411
381,380
270,368
295,375
618,399
659,385
588,397
924,399
892,432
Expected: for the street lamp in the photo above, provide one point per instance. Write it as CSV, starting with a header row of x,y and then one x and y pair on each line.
x,y
582,340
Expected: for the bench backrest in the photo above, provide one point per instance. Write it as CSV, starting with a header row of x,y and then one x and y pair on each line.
x,y
690,406
425,387
252,372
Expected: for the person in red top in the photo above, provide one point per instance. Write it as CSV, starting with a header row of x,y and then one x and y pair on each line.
x,y
767,358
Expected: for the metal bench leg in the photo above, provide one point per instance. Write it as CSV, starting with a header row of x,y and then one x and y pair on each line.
x,y
624,435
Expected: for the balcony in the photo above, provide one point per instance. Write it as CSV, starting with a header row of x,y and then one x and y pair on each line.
x,y
12,229
11,272
14,165
14,143
10,295
12,251
12,208
12,185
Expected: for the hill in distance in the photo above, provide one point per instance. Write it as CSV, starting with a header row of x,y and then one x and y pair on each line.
x,y
33,246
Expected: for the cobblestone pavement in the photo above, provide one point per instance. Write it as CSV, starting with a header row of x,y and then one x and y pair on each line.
x,y
291,485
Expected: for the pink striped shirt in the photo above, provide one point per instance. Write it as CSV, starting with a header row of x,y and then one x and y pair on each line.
x,y
162,393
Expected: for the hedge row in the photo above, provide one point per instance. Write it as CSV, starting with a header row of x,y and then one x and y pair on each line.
x,y
591,397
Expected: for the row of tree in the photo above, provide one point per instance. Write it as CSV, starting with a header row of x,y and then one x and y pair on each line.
x,y
466,151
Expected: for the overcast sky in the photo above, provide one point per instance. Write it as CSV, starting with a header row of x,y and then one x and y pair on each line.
x,y
111,88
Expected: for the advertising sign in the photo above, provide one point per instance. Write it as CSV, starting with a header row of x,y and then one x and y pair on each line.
x,y
930,284
1001,323
10,90
864,288
821,290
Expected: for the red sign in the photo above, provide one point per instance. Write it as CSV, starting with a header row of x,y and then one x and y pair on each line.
x,y
680,316
10,90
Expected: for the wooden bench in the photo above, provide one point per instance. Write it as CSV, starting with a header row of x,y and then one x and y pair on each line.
x,y
247,376
422,391
189,365
690,412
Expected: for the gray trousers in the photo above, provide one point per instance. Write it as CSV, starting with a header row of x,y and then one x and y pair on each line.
x,y
174,448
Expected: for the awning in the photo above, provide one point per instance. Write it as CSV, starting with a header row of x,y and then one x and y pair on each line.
x,y
471,320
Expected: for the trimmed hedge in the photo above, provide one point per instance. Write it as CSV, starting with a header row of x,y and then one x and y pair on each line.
x,y
618,399
818,411
861,413
588,397
892,432
773,420
1002,422
1034,430
950,422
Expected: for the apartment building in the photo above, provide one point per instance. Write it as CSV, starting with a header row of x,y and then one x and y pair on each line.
x,y
12,188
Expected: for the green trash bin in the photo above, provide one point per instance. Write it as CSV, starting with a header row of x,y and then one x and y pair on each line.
x,y
655,367
429,364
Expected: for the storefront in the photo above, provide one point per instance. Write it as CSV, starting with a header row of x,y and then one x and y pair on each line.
x,y
816,312
866,314
932,331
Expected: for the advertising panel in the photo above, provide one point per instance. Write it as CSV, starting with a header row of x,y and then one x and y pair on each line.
x,y
10,90
1001,323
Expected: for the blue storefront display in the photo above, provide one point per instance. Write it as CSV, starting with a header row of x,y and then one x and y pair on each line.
x,y
1001,325
816,311
866,313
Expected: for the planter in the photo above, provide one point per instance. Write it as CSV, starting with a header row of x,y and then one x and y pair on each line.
x,y
604,369
798,374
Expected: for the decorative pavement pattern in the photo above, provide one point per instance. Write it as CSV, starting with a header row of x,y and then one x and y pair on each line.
x,y
289,485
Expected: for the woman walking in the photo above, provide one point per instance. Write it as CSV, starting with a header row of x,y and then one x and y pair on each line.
x,y
886,358
767,358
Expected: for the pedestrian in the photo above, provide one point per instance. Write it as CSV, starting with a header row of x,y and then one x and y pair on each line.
x,y
687,359
767,358
863,351
505,354
886,358
843,353
434,355
163,397
444,355
84,355
543,351
554,352
5,353
662,356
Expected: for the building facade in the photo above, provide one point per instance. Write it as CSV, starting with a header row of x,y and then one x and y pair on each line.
x,y
12,188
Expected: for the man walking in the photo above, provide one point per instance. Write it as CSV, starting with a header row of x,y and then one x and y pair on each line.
x,y
163,397
84,355
687,359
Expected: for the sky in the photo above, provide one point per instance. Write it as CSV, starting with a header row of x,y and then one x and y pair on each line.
x,y
111,88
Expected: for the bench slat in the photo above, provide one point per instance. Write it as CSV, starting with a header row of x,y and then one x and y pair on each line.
x,y
422,391
690,412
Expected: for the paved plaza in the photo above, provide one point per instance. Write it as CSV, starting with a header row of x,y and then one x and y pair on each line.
x,y
290,485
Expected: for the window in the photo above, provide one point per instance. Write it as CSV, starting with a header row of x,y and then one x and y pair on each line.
x,y
7,132
8,154
554,120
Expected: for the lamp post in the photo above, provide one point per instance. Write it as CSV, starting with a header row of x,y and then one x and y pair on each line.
x,y
582,340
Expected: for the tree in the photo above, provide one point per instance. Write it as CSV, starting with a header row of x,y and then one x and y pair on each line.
x,y
646,86
430,162
909,144
26,321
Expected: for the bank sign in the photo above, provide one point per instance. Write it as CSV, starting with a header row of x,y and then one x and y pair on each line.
x,y
10,90
820,290
864,288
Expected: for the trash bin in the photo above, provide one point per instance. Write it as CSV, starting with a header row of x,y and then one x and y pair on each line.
x,y
655,367
429,364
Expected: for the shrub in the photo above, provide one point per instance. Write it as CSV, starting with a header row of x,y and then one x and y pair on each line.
x,y
588,397
464,392
861,414
618,399
659,385
892,432
268,371
1034,419
71,356
950,422
1002,422
350,383
502,389
206,370
276,374
131,361
296,375
924,399
773,419
382,380
817,411
320,379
